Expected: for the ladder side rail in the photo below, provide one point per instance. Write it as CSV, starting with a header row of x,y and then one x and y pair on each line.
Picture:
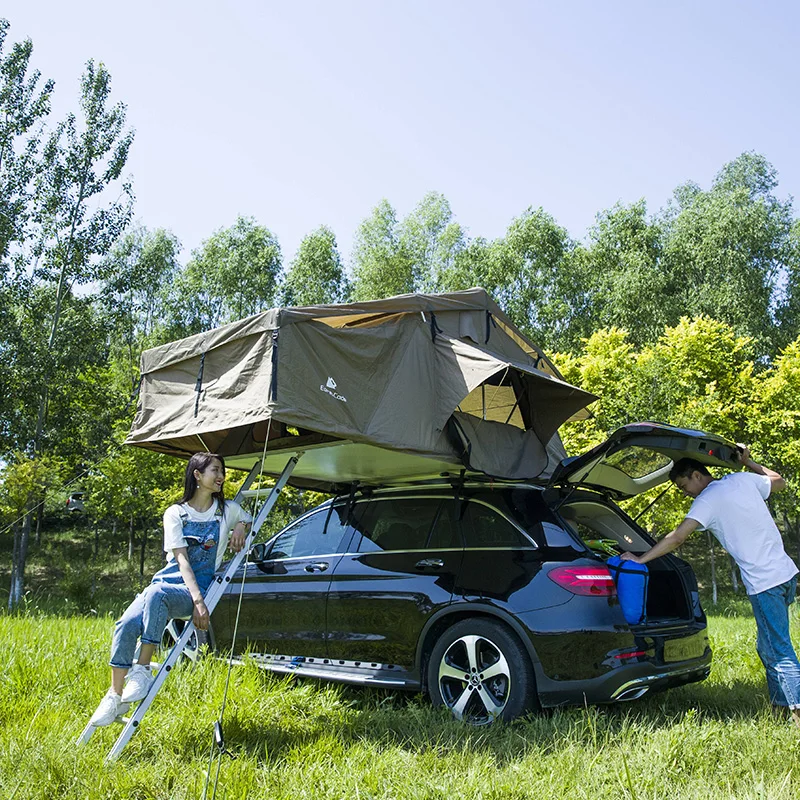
x,y
212,597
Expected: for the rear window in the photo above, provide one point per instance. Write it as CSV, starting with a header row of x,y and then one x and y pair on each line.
x,y
636,462
484,527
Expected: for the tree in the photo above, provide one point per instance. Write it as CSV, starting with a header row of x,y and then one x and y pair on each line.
x,y
729,246
629,284
136,276
73,227
381,265
431,240
21,478
232,275
775,430
316,275
22,106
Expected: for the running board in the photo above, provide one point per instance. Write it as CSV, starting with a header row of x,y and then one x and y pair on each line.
x,y
353,672
212,597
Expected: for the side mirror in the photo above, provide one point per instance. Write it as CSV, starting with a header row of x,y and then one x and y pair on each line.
x,y
259,552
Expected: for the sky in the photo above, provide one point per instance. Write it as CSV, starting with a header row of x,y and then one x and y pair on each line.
x,y
302,114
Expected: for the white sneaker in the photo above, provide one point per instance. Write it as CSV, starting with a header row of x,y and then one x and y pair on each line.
x,y
140,679
111,707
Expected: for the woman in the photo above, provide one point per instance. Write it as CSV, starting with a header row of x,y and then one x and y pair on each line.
x,y
195,535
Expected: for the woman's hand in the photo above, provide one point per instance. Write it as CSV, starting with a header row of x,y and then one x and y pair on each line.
x,y
200,615
238,537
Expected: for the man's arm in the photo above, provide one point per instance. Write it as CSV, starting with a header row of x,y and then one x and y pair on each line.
x,y
777,481
672,541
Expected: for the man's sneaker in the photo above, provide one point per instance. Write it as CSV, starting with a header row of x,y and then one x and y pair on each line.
x,y
111,707
140,679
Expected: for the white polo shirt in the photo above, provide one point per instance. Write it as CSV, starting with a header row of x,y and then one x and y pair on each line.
x,y
733,508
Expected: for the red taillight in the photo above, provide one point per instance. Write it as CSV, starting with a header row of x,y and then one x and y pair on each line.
x,y
591,581
631,654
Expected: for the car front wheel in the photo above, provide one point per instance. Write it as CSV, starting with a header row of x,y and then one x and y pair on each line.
x,y
173,632
481,672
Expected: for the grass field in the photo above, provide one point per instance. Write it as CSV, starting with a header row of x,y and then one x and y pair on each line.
x,y
300,739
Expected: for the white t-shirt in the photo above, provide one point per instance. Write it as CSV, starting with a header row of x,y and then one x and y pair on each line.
x,y
733,509
173,526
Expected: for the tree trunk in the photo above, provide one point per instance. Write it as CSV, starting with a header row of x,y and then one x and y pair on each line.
x,y
713,569
734,574
130,540
141,553
21,539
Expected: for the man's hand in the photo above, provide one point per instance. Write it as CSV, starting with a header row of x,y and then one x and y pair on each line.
x,y
744,453
200,615
630,557
238,537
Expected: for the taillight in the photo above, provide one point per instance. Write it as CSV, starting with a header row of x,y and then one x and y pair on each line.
x,y
591,581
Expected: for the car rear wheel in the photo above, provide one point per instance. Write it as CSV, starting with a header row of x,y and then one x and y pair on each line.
x,y
481,672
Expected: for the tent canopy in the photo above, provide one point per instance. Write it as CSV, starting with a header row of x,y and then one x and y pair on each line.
x,y
401,389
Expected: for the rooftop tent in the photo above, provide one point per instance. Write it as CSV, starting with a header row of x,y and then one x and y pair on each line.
x,y
401,389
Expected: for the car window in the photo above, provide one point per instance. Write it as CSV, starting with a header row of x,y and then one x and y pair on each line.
x,y
446,531
484,527
311,536
401,524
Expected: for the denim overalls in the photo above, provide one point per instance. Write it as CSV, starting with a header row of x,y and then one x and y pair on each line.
x,y
167,596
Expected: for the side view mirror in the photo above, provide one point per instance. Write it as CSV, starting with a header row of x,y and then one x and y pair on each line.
x,y
259,552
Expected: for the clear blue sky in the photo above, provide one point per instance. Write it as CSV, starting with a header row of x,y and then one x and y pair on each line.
x,y
308,113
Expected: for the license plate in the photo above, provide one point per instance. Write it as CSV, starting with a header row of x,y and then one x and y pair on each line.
x,y
685,649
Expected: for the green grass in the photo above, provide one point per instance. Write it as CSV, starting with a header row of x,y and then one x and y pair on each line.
x,y
302,739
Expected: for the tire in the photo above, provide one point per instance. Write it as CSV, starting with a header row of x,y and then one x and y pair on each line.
x,y
173,632
481,672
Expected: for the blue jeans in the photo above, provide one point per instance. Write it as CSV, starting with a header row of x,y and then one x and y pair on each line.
x,y
146,617
774,644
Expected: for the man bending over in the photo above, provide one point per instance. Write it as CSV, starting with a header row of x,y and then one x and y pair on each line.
x,y
734,509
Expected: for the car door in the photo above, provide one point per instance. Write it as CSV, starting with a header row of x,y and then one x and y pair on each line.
x,y
284,600
401,566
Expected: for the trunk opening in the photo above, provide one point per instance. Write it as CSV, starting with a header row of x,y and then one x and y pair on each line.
x,y
605,532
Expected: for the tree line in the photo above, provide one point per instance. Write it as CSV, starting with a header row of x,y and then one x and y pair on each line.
x,y
688,314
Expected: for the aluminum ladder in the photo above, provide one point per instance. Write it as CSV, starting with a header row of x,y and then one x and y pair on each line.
x,y
212,597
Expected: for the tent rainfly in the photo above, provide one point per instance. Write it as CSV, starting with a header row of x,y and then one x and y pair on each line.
x,y
381,392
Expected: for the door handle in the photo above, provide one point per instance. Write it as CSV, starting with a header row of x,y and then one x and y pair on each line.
x,y
317,566
432,563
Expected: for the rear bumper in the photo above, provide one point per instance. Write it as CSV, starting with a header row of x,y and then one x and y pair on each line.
x,y
631,681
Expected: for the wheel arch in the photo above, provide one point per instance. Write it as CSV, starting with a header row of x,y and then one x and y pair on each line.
x,y
443,619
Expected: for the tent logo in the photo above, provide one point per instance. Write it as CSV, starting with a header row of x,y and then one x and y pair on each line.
x,y
329,388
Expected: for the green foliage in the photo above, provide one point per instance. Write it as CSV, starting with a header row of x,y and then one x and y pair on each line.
x,y
133,483
381,266
232,275
316,276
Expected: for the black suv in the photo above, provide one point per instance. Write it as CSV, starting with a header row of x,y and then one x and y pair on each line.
x,y
492,597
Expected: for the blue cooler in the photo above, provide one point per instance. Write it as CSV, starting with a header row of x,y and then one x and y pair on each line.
x,y
631,580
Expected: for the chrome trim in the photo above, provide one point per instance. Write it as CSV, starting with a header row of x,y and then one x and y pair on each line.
x,y
646,680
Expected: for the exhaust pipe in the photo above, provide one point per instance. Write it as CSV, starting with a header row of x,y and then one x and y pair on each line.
x,y
632,694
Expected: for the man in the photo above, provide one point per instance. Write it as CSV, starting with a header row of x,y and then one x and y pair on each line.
x,y
733,508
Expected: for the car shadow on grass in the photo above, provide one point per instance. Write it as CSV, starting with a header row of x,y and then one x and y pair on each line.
x,y
398,720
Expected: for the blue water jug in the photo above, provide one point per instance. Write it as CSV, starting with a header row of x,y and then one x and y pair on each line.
x,y
631,580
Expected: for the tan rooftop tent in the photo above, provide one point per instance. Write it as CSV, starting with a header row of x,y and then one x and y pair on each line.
x,y
385,391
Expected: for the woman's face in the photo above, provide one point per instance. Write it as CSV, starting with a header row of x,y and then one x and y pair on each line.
x,y
212,477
